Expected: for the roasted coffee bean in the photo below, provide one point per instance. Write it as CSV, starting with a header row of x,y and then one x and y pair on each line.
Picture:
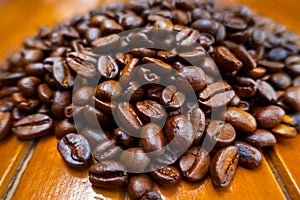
x,y
257,72
240,119
209,66
8,91
157,65
216,95
194,75
134,92
220,133
63,128
62,75
291,97
249,156
107,107
127,72
260,138
17,114
293,63
128,117
83,96
123,58
151,111
197,118
94,136
211,27
61,99
266,91
138,186
143,52
194,164
152,195
166,175
154,92
28,86
271,66
192,57
152,139
280,81
33,126
226,60
5,124
277,54
45,94
96,118
187,38
130,21
123,138
223,166
171,99
107,150
107,67
28,105
92,34
245,87
166,56
35,69
74,149
82,64
268,117
135,159
180,129
108,174
10,79
107,44
284,131
110,26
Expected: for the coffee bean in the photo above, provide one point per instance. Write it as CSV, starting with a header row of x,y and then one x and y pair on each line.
x,y
197,118
194,75
127,72
171,99
33,126
106,150
194,164
95,118
277,54
166,175
10,79
220,133
8,91
166,56
94,136
63,128
151,111
296,81
123,138
245,87
62,75
284,131
211,27
107,67
61,99
143,52
249,156
268,117
135,159
110,26
266,91
152,195
5,124
154,92
83,96
107,107
216,95
107,44
186,38
223,166
35,69
257,72
138,186
260,138
28,86
134,92
271,66
226,60
293,63
291,97
280,80
131,21
108,174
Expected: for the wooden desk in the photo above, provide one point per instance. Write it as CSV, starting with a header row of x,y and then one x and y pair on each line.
x,y
34,169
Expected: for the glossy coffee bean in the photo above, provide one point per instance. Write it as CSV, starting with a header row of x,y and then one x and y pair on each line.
x,y
186,38
5,124
107,107
293,63
135,159
197,118
152,139
138,186
220,133
61,99
223,166
64,127
291,97
96,118
171,99
33,126
35,69
226,60
166,175
123,138
268,117
151,111
143,52
194,75
249,156
107,67
194,164
62,75
107,44
240,119
108,174
284,131
82,64
108,90
94,136
260,138
280,80
28,86
266,91
45,93
245,87
107,150
74,149
83,96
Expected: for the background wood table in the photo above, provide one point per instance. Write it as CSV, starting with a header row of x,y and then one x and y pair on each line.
x,y
34,169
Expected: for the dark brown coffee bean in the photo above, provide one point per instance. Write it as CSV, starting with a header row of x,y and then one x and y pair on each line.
x,y
192,57
181,129
61,99
157,65
277,54
35,69
94,136
83,96
197,118
268,117
245,87
240,119
107,67
260,138
154,92
234,23
107,44
33,126
284,131
151,111
108,174
62,75
45,94
249,156
5,124
17,114
209,66
257,72
8,91
187,38
107,107
123,138
216,95
134,92
223,166
280,80
166,175
211,27
108,90
130,21
138,186
95,118
220,133
135,159
82,64
180,17
293,63
226,60
63,128
152,139
291,97
123,58
26,105
194,164
28,86
129,118
107,150
166,56
194,75
110,26
143,52
266,91
32,56
10,79
74,149
127,73
171,99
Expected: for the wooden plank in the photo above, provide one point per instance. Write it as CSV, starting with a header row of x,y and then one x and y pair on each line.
x,y
12,152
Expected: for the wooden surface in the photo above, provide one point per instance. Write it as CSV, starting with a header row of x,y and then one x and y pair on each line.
x,y
34,169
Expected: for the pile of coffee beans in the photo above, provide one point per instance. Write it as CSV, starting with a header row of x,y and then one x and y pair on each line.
x,y
156,91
